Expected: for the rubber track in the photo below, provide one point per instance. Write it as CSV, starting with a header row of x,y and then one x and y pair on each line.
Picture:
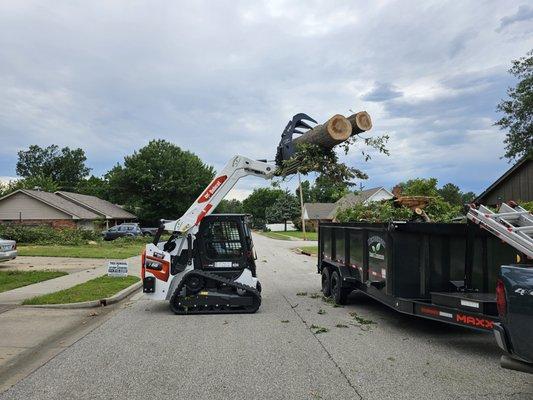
x,y
174,300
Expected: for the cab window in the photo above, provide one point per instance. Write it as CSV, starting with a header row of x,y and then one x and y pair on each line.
x,y
223,240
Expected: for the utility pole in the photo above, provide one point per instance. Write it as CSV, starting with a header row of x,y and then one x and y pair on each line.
x,y
301,204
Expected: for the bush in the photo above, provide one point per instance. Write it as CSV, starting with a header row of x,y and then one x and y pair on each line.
x,y
46,235
528,205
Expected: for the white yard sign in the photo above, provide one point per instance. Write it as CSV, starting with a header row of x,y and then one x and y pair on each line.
x,y
117,268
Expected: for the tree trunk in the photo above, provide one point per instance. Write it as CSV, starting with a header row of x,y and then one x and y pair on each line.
x,y
361,122
336,130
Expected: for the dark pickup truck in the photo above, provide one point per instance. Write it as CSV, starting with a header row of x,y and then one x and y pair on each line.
x,y
514,332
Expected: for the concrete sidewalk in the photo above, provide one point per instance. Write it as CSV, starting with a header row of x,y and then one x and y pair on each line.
x,y
17,296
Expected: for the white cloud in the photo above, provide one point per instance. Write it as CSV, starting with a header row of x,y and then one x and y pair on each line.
x,y
221,78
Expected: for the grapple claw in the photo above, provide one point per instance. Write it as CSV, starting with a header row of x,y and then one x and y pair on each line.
x,y
286,146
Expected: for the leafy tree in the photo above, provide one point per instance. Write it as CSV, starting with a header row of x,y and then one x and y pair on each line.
x,y
327,190
39,182
451,193
286,207
518,110
94,186
420,187
159,181
232,206
257,203
467,197
66,167
306,192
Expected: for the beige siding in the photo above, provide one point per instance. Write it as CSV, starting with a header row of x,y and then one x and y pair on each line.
x,y
11,207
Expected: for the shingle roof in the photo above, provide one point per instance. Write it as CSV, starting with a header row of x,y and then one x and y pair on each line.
x,y
95,204
61,204
318,210
352,199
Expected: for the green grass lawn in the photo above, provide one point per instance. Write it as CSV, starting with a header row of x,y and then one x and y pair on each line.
x,y
310,249
95,289
288,234
113,250
275,235
300,235
13,279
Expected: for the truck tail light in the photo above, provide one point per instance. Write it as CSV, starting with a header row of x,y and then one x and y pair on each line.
x,y
501,301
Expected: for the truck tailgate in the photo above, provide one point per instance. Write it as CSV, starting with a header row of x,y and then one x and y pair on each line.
x,y
518,322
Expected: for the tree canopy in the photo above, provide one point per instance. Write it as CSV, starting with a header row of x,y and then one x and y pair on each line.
x,y
66,167
257,203
159,180
286,207
518,110
232,206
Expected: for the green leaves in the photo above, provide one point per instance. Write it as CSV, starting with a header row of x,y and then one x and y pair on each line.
x,y
518,110
286,207
65,167
159,180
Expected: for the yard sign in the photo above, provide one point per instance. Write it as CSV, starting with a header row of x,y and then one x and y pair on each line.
x,y
117,268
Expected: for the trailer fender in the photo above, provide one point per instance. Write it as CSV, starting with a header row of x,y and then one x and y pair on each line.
x,y
347,278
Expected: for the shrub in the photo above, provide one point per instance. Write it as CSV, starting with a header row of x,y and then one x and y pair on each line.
x,y
528,205
46,235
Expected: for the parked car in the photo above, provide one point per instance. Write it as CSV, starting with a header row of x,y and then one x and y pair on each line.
x,y
8,249
122,230
149,231
515,305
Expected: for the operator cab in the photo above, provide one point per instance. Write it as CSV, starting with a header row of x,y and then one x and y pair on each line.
x,y
224,246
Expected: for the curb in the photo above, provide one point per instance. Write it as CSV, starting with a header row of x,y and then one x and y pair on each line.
x,y
93,303
305,253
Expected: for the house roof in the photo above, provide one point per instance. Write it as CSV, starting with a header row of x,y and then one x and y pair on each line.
x,y
357,198
95,204
502,178
318,210
59,203
351,199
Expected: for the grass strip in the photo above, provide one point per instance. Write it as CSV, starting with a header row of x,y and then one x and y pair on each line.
x,y
310,249
108,250
10,280
95,289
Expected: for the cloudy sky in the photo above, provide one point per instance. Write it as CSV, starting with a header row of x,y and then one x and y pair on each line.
x,y
223,77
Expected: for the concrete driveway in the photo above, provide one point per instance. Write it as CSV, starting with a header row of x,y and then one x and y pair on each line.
x,y
144,351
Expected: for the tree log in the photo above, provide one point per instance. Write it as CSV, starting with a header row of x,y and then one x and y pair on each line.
x,y
336,130
361,122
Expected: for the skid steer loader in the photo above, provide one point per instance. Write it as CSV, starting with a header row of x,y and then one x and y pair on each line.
x,y
208,263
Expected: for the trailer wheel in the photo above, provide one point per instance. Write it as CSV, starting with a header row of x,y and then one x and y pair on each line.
x,y
326,282
340,294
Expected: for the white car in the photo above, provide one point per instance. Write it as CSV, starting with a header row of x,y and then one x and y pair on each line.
x,y
8,249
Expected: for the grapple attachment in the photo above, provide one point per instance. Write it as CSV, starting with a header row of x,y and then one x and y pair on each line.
x,y
294,126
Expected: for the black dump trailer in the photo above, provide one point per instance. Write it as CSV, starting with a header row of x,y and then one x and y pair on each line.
x,y
444,272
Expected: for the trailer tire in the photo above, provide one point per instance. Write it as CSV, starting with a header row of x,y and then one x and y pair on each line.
x,y
326,282
340,294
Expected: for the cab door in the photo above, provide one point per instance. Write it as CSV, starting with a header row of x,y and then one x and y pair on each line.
x,y
222,244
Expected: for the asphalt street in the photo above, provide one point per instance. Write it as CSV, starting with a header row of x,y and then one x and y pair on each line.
x,y
366,350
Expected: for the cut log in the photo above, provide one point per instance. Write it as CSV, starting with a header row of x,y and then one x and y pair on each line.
x,y
361,122
336,130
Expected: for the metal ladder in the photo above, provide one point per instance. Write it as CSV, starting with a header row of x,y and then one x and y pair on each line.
x,y
512,225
